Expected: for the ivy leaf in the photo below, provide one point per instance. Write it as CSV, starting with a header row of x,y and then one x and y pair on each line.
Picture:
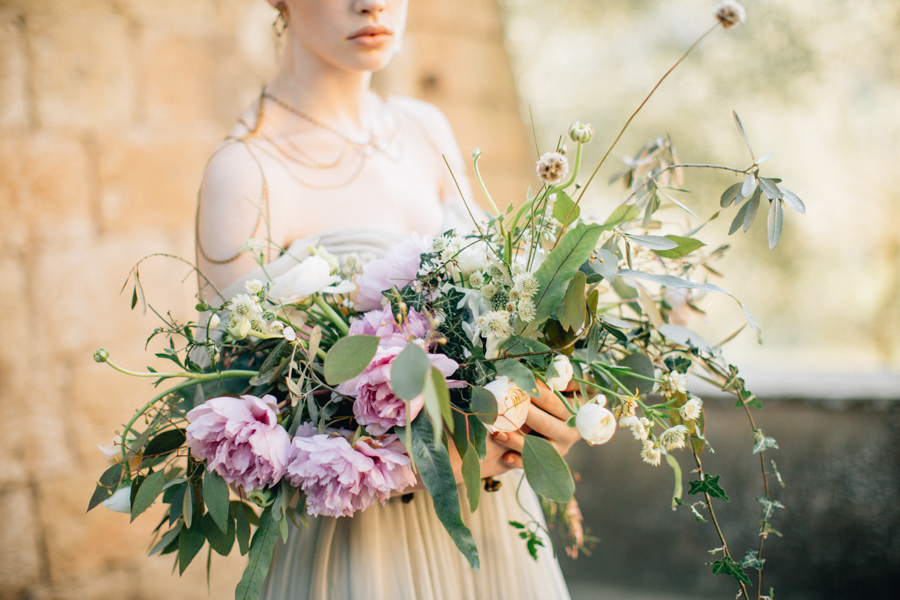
x,y
769,507
726,566
761,442
752,561
709,485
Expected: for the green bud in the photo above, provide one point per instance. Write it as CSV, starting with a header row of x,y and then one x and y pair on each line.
x,y
261,498
581,132
101,355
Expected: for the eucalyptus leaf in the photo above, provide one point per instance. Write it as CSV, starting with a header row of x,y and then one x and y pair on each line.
x,y
435,397
471,472
770,188
606,264
740,126
547,472
164,443
484,405
748,186
108,482
219,540
774,223
574,302
478,436
433,462
408,372
653,242
187,506
685,245
791,199
730,195
150,488
190,542
349,357
684,337
641,365
738,219
752,207
518,374
622,214
215,494
765,157
260,557
592,346
167,538
241,526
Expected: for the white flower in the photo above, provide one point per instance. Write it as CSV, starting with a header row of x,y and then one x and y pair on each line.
x,y
245,308
651,454
276,326
729,13
512,404
289,334
526,284
691,409
328,257
488,291
552,168
564,373
253,286
475,153
476,280
254,245
311,276
510,307
673,381
527,311
581,132
214,322
495,322
673,438
637,428
472,258
111,452
120,501
595,423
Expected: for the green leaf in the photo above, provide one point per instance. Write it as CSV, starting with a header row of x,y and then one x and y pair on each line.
x,y
676,469
685,246
547,471
408,372
640,364
752,208
260,556
592,346
752,561
460,432
740,126
106,485
167,538
215,494
769,507
684,337
433,463
518,374
762,443
606,264
730,195
792,200
574,302
726,566
540,353
165,442
190,542
622,214
653,242
774,223
478,436
349,357
241,525
151,487
709,485
176,506
770,189
437,403
471,472
554,274
484,405
738,219
563,209
272,367
219,540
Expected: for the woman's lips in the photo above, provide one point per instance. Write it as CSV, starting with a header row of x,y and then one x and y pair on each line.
x,y
371,36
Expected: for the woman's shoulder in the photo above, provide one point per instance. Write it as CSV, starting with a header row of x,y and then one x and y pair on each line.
x,y
428,117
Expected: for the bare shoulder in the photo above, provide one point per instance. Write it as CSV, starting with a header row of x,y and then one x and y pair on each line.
x,y
429,117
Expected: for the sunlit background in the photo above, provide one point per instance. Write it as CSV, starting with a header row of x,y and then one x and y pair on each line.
x,y
110,108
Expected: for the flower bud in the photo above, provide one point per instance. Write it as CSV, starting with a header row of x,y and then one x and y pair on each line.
x,y
595,424
214,322
730,13
101,355
564,373
262,498
120,501
581,132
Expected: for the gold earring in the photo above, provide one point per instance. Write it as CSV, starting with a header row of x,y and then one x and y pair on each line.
x,y
280,24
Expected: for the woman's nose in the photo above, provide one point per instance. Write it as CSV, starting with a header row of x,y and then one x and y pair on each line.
x,y
372,7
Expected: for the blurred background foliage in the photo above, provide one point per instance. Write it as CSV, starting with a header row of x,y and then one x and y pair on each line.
x,y
817,82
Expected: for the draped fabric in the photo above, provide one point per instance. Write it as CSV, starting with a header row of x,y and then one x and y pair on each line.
x,y
401,551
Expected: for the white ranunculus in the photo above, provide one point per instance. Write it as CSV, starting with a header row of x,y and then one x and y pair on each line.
x,y
595,423
311,276
564,373
512,404
472,258
214,322
120,501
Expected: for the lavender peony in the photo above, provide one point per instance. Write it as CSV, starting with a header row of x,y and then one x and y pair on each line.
x,y
340,479
376,406
398,267
381,323
240,439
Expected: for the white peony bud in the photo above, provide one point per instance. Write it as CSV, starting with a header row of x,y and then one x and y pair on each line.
x,y
595,423
512,405
214,322
311,276
120,501
564,373
472,258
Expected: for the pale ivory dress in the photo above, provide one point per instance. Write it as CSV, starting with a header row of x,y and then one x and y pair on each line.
x,y
401,551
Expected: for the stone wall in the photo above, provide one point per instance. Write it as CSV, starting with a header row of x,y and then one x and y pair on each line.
x,y
108,111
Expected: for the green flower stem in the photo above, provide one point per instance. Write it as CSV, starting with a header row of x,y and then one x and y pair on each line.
x,y
194,379
484,188
571,179
332,315
558,395
599,387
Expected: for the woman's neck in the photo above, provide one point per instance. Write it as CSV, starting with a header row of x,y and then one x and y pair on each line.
x,y
330,94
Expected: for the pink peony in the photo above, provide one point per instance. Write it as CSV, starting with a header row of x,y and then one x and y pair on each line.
x,y
381,323
340,479
376,406
240,439
398,267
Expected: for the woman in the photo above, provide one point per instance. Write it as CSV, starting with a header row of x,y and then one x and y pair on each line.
x,y
320,159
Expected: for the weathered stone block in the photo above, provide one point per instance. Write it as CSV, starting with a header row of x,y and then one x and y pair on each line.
x,y
150,179
472,18
55,7
13,103
20,563
83,73
13,359
497,131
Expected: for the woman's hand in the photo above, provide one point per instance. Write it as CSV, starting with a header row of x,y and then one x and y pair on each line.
x,y
547,415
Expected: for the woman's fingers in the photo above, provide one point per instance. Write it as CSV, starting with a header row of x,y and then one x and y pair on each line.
x,y
547,425
513,460
551,403
513,440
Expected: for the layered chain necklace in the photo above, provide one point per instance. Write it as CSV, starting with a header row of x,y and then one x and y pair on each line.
x,y
385,145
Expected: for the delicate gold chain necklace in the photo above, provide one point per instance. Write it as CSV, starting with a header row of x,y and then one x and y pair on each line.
x,y
317,123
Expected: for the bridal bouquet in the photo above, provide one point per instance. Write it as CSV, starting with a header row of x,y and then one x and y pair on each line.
x,y
344,382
